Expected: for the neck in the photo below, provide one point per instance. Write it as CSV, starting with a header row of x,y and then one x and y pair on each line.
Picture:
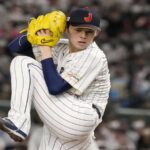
x,y
73,49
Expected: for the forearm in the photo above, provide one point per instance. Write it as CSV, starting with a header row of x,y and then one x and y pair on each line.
x,y
46,52
55,83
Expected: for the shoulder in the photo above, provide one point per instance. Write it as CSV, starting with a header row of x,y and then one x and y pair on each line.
x,y
96,52
62,42
61,45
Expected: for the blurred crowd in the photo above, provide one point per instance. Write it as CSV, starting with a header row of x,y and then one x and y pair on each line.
x,y
125,39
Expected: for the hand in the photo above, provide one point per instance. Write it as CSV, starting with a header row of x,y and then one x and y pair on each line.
x,y
44,32
45,50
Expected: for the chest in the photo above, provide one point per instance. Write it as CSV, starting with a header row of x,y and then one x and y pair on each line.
x,y
61,60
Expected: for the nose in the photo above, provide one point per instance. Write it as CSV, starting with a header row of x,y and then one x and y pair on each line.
x,y
83,34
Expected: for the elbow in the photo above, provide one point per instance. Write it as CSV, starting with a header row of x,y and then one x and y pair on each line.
x,y
54,91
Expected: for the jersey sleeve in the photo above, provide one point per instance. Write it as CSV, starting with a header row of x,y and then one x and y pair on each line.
x,y
82,69
20,45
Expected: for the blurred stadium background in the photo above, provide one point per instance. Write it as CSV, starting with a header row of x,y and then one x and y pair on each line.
x,y
125,39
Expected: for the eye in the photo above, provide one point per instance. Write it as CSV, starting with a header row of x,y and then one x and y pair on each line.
x,y
89,32
78,29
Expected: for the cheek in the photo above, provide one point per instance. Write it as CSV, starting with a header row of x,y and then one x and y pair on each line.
x,y
90,38
73,38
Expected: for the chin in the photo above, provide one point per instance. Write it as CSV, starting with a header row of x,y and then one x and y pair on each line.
x,y
82,48
79,48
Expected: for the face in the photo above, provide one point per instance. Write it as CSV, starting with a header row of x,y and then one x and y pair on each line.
x,y
80,38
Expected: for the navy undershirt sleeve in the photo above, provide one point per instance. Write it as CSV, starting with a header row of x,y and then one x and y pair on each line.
x,y
21,45
55,83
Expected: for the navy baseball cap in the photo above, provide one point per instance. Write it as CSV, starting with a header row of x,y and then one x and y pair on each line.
x,y
84,17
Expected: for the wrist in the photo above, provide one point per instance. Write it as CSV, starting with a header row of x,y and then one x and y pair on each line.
x,y
46,52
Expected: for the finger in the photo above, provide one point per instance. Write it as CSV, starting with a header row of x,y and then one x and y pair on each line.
x,y
40,32
47,32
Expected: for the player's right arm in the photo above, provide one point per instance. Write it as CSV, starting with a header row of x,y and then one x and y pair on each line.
x,y
55,83
44,32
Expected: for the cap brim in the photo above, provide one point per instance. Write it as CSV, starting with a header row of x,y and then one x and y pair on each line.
x,y
86,26
89,27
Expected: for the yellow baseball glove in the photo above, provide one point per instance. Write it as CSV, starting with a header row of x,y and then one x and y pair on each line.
x,y
55,22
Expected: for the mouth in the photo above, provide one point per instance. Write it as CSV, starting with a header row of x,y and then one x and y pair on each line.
x,y
81,42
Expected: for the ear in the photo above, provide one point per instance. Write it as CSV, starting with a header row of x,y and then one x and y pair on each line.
x,y
67,29
96,33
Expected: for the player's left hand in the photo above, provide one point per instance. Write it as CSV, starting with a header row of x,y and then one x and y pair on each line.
x,y
46,30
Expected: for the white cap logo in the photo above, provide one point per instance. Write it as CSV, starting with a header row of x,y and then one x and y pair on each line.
x,y
68,18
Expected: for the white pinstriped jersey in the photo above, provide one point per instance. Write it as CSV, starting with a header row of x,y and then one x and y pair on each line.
x,y
87,72
69,119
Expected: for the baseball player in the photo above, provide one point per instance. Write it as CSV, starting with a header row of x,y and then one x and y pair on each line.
x,y
68,81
